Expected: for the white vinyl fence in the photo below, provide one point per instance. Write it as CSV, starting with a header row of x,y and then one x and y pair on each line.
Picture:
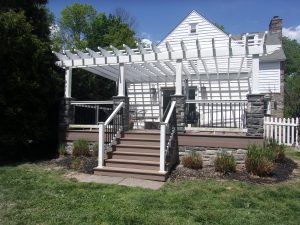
x,y
283,130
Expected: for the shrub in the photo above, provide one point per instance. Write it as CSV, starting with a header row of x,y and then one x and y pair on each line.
x,y
225,163
62,150
130,125
95,150
76,164
193,160
259,160
279,150
80,148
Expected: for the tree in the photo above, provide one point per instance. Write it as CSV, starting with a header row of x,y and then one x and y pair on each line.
x,y
105,31
125,17
94,30
75,20
29,86
292,52
292,78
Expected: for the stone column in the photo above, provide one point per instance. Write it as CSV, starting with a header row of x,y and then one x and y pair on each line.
x,y
66,117
255,115
180,112
125,99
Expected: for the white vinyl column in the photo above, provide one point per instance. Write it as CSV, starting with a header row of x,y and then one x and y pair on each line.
x,y
68,82
121,80
178,90
255,74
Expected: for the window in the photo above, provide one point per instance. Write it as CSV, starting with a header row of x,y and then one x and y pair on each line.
x,y
203,93
193,28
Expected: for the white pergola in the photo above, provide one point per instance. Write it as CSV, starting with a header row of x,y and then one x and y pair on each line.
x,y
216,59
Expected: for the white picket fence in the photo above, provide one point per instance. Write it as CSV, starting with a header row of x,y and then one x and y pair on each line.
x,y
283,130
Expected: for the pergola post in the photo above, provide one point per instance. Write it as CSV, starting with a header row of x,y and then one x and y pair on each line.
x,y
66,111
121,81
178,87
179,98
255,74
256,103
122,97
68,82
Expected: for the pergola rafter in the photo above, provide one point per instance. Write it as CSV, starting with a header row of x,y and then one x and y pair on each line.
x,y
154,65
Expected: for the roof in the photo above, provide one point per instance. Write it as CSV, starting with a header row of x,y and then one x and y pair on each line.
x,y
272,39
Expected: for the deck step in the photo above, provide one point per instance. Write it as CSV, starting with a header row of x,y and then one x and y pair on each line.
x,y
133,173
139,141
135,156
151,135
137,148
134,164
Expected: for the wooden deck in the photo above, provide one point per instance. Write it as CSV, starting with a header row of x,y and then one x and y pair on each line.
x,y
200,139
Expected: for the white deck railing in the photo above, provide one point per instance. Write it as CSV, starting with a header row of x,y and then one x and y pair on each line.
x,y
166,138
283,130
103,126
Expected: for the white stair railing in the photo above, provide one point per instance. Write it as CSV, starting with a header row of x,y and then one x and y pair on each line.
x,y
165,142
111,133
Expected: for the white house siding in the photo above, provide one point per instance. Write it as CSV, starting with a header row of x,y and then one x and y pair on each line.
x,y
205,32
143,107
269,77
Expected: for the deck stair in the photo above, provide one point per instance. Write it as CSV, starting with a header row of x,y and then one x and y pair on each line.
x,y
135,155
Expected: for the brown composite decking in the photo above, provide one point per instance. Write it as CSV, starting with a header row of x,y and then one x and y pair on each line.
x,y
199,139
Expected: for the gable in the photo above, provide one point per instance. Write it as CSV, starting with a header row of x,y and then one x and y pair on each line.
x,y
205,31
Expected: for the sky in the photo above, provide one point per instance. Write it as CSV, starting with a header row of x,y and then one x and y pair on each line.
x,y
156,18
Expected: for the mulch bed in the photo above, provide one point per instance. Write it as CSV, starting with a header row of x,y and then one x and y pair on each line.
x,y
81,164
283,171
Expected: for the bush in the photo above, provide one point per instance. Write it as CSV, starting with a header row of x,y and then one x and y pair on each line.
x,y
279,150
95,150
80,148
130,125
62,150
193,161
259,160
225,163
76,164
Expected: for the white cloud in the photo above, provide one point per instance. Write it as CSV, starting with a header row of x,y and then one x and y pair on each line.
x,y
292,32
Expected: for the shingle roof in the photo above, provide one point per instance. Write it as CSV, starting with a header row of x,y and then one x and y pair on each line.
x,y
272,39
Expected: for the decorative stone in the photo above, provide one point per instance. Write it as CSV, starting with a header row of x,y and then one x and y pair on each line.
x,y
255,114
125,99
180,112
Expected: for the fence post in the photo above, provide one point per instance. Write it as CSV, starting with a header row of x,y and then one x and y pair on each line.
x,y
101,145
162,147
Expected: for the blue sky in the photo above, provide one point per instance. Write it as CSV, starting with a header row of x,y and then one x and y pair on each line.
x,y
158,17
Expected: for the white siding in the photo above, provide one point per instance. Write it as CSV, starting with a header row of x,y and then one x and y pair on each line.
x,y
269,77
205,32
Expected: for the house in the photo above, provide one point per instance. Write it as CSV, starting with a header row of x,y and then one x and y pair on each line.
x,y
197,78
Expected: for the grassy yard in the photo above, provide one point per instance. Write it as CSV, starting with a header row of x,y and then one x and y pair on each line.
x,y
31,194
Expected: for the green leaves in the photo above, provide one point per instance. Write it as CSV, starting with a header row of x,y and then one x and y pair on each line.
x,y
292,78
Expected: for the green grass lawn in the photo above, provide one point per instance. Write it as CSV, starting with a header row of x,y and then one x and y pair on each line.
x,y
31,194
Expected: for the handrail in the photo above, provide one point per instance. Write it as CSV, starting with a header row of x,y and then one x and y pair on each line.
x,y
92,102
215,101
102,131
166,111
166,138
109,119
170,111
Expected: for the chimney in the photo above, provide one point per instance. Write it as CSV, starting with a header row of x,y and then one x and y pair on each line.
x,y
275,26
